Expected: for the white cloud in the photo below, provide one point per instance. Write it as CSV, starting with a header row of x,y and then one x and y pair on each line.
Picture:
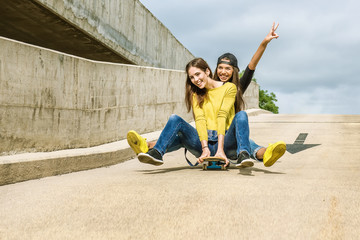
x,y
340,100
314,63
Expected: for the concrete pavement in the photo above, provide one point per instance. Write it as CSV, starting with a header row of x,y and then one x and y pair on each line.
x,y
311,193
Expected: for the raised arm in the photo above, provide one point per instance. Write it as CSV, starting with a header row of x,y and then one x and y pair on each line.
x,y
259,52
245,80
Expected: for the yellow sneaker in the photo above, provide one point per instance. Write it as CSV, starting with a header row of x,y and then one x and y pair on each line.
x,y
273,153
137,142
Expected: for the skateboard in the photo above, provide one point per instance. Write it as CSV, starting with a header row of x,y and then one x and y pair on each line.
x,y
214,163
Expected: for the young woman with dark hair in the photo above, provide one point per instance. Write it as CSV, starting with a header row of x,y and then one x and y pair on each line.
x,y
227,70
219,130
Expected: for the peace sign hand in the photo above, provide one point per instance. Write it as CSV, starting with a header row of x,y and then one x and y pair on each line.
x,y
272,34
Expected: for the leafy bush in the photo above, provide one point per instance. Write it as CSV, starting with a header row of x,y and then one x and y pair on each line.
x,y
266,100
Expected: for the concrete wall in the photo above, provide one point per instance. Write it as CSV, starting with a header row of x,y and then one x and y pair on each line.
x,y
251,96
49,100
126,27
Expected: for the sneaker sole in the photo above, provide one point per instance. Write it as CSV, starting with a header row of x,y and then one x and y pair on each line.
x,y
149,160
245,164
133,141
276,154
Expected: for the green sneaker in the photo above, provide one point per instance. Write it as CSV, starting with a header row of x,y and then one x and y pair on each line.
x,y
137,142
273,153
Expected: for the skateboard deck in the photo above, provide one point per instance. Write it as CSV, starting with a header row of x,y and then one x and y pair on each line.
x,y
214,163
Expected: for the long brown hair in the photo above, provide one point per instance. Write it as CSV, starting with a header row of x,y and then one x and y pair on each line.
x,y
190,88
239,100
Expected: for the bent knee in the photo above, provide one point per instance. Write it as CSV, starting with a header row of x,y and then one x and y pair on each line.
x,y
241,116
175,118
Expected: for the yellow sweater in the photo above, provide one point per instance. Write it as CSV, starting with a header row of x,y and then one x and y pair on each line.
x,y
217,112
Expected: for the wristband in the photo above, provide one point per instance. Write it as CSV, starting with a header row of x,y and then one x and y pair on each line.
x,y
205,147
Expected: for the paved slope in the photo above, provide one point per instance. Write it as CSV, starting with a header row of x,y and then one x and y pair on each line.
x,y
308,194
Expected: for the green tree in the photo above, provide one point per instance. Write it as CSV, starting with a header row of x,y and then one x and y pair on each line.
x,y
266,99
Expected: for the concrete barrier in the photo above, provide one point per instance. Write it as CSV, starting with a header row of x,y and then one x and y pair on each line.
x,y
51,101
126,27
251,96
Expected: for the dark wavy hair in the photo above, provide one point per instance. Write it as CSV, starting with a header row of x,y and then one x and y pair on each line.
x,y
190,88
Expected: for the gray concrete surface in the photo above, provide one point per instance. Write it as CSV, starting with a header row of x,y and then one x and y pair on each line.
x,y
61,101
113,31
312,193
30,22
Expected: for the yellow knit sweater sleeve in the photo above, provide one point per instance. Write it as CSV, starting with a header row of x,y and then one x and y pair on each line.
x,y
225,109
200,120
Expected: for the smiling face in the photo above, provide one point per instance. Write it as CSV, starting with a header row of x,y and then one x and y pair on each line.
x,y
224,71
198,77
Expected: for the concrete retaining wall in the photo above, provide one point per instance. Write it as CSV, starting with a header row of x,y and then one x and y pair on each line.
x,y
126,27
49,100
251,96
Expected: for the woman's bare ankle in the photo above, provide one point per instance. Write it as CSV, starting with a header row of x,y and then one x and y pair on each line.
x,y
151,144
260,153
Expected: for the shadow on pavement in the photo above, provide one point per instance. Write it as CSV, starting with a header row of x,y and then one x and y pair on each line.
x,y
249,171
242,171
166,170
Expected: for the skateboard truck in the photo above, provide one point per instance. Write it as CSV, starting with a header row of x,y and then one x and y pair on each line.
x,y
214,163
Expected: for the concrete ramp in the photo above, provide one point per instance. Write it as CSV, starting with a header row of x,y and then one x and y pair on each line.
x,y
309,194
113,31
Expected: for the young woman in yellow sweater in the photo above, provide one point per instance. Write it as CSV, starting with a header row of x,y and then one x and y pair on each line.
x,y
219,131
228,71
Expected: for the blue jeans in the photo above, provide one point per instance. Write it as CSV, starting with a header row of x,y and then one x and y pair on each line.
x,y
178,133
254,148
237,136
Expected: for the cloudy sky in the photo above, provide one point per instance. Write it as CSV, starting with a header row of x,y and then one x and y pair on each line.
x,y
313,67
